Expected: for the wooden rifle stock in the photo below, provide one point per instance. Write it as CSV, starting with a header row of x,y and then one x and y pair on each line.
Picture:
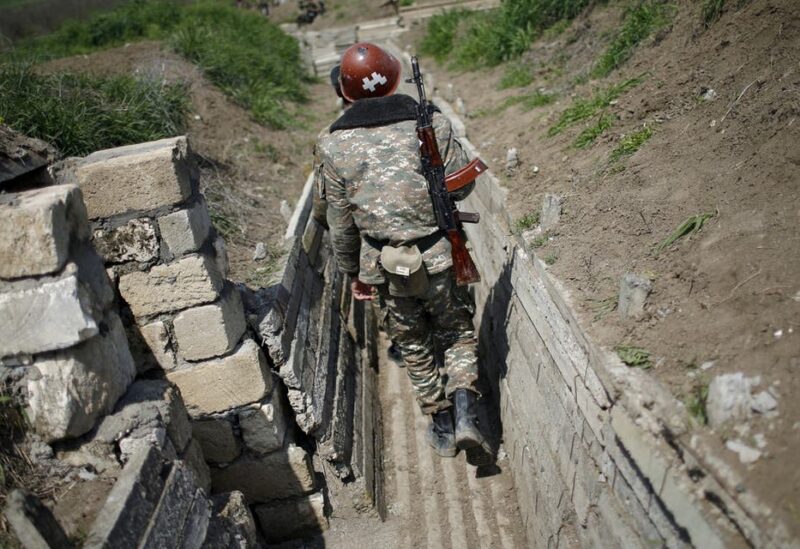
x,y
463,267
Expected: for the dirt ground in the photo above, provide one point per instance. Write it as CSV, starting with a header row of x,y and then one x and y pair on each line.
x,y
724,300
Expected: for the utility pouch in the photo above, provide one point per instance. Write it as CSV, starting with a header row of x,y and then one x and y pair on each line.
x,y
404,270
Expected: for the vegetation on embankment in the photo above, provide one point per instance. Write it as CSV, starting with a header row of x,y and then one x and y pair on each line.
x,y
79,113
245,55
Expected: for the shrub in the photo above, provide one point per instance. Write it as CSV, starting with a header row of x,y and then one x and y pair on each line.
x,y
80,113
440,34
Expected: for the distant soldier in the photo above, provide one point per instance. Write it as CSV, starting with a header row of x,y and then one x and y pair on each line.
x,y
395,4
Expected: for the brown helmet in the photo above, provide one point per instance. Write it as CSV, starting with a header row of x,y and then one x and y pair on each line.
x,y
368,71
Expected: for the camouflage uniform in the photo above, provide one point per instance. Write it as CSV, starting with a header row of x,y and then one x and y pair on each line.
x,y
376,193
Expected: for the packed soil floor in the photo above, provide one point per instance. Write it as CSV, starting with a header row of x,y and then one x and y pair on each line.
x,y
723,105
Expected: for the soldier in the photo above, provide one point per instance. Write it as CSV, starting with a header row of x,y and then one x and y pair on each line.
x,y
385,236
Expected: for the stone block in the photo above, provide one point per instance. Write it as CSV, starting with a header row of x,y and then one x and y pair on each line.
x,y
282,474
36,228
193,456
217,440
134,241
264,425
156,340
211,330
633,292
139,177
173,508
551,212
54,315
221,384
221,256
69,390
194,280
148,404
232,524
124,518
292,518
194,531
33,523
185,231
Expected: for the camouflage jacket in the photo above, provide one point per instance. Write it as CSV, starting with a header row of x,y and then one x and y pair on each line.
x,y
373,183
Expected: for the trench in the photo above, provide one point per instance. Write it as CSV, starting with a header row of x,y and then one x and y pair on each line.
x,y
589,451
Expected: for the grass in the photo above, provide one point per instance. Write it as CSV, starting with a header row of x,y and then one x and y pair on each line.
x,y
696,403
241,52
551,258
516,76
631,143
528,102
641,19
490,38
80,113
635,357
602,307
583,108
692,225
589,135
712,9
527,221
539,241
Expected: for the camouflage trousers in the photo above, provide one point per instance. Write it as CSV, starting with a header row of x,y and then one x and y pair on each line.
x,y
432,329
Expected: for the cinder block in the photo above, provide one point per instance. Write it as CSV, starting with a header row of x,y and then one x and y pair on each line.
x,y
148,403
185,231
36,228
69,390
134,241
211,330
193,456
139,177
232,524
53,315
156,338
32,522
278,475
264,425
124,518
292,518
219,385
217,440
173,507
194,280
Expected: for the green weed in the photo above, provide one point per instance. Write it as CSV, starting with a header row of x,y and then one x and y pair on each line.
x,y
527,221
582,109
551,258
631,143
712,9
406,3
602,307
692,225
634,356
440,34
539,241
80,113
589,135
640,21
516,76
527,101
696,403
490,38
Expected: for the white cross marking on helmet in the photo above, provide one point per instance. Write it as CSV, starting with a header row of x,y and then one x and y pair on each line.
x,y
377,78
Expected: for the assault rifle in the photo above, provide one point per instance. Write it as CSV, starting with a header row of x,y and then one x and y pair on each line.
x,y
440,186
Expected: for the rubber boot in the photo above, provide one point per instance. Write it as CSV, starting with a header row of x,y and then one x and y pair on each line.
x,y
468,434
441,435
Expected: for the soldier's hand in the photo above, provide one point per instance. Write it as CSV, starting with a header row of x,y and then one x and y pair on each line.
x,y
361,290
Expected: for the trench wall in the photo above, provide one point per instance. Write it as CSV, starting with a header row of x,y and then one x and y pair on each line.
x,y
601,454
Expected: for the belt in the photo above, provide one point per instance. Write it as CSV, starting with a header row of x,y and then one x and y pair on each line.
x,y
423,244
